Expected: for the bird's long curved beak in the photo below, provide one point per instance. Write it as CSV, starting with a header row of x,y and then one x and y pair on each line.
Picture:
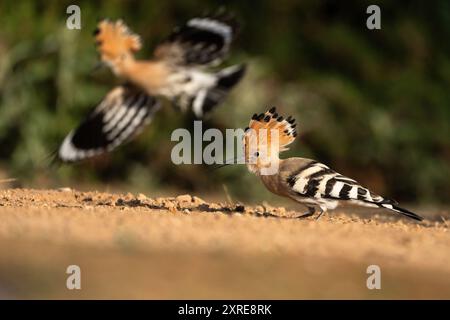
x,y
98,66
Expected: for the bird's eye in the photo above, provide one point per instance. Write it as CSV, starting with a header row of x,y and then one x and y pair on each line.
x,y
257,153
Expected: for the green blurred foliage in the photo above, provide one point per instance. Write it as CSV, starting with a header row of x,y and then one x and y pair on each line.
x,y
374,105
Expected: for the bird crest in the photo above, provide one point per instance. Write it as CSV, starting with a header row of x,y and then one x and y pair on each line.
x,y
270,129
267,135
115,39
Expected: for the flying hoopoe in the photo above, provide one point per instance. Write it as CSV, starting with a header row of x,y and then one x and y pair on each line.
x,y
306,181
177,72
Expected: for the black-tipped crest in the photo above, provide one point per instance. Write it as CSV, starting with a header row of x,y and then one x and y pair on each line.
x,y
272,121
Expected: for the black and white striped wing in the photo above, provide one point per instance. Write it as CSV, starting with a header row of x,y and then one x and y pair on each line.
x,y
201,41
122,114
316,180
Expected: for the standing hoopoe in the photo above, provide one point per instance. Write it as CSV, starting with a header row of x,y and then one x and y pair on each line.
x,y
306,181
177,72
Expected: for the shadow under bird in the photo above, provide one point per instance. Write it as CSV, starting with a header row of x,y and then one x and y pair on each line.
x,y
305,181
178,72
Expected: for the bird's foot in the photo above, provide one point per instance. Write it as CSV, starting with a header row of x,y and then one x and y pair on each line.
x,y
305,215
310,213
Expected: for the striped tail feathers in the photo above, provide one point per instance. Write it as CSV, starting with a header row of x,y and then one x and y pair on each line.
x,y
368,197
365,196
391,206
271,120
114,38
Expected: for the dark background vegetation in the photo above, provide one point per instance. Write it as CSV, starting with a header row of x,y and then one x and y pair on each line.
x,y
374,105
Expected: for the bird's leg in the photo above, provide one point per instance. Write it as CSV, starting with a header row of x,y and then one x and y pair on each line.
x,y
311,211
321,212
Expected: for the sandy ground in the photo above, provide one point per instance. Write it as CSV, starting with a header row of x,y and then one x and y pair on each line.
x,y
132,246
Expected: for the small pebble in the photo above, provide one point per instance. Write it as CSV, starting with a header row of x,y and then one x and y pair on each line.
x,y
142,197
184,198
197,200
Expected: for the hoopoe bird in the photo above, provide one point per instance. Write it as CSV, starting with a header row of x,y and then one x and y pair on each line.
x,y
305,181
178,72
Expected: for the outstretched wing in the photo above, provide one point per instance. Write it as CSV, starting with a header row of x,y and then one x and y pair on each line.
x,y
122,114
201,41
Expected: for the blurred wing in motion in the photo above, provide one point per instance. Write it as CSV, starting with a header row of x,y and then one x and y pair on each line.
x,y
122,114
202,99
201,41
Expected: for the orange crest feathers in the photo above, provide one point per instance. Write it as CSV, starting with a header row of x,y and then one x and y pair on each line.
x,y
270,120
115,38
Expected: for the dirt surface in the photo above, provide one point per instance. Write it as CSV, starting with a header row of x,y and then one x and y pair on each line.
x,y
132,246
